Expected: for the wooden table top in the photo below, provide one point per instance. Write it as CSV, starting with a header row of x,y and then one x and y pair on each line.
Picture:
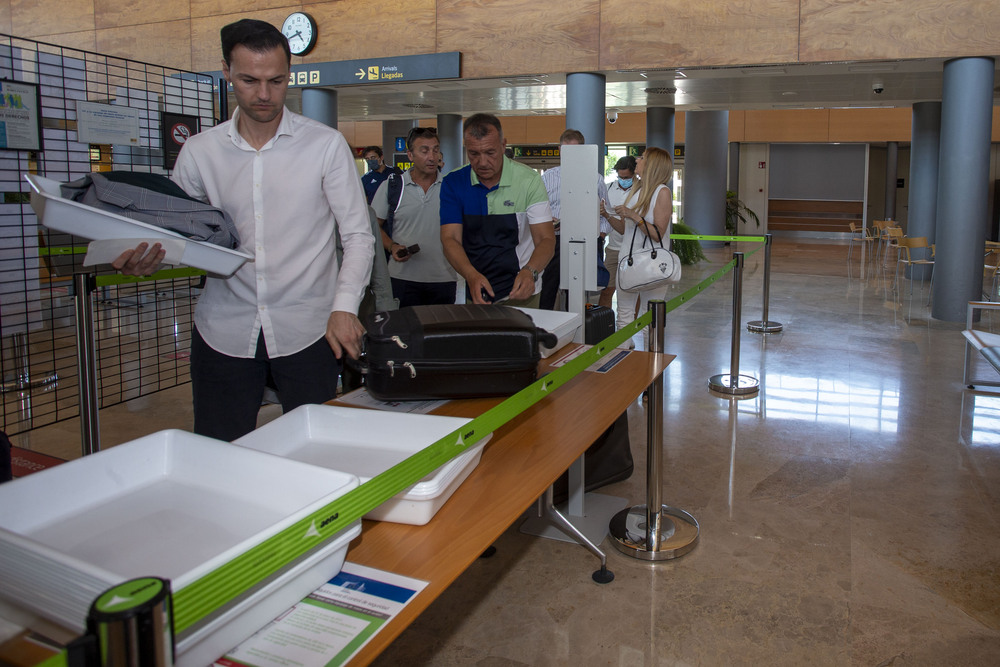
x,y
523,458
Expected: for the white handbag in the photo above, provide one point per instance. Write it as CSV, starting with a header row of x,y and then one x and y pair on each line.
x,y
649,267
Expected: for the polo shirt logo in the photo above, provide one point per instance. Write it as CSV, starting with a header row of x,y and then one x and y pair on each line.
x,y
509,203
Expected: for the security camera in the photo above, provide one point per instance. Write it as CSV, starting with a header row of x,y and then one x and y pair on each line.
x,y
877,87
612,117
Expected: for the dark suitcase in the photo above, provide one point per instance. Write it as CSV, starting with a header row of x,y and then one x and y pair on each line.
x,y
609,458
598,323
451,351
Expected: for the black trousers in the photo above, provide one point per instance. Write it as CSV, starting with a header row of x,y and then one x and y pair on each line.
x,y
412,293
550,281
228,390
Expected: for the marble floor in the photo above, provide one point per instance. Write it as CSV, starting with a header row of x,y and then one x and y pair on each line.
x,y
849,514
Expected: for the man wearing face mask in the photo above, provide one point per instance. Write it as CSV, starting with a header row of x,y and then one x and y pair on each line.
x,y
377,171
617,192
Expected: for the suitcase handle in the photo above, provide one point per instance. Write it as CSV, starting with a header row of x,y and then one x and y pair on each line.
x,y
546,338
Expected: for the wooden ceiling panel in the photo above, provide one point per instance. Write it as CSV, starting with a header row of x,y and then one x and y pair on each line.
x,y
664,33
838,30
510,37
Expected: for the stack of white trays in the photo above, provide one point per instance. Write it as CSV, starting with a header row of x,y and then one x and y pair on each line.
x,y
366,443
173,505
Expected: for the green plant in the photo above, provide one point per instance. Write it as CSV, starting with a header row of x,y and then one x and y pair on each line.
x,y
737,212
688,250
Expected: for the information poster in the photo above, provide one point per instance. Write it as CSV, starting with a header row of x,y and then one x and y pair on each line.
x,y
20,116
177,129
329,626
106,124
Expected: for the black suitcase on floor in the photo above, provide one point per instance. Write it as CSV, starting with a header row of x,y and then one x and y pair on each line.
x,y
451,351
609,458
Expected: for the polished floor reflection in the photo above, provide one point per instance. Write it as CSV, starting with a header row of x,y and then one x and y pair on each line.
x,y
850,513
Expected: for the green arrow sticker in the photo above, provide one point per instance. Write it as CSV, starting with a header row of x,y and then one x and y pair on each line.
x,y
132,594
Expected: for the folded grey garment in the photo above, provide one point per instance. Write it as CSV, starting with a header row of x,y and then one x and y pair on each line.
x,y
156,200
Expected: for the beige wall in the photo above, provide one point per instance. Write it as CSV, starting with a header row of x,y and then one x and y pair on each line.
x,y
507,37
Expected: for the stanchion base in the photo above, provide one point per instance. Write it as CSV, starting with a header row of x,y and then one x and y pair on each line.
x,y
744,385
760,326
679,533
23,383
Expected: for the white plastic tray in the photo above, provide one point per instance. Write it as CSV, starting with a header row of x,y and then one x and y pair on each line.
x,y
211,640
366,443
65,215
563,325
171,504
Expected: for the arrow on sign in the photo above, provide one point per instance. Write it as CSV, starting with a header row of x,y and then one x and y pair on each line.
x,y
360,73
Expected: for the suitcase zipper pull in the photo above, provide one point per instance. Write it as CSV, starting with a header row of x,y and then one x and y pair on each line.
x,y
392,368
399,341
413,370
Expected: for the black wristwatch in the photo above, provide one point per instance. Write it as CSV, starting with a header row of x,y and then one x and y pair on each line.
x,y
534,274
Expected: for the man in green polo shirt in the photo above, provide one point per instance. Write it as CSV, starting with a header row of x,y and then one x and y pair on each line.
x,y
496,224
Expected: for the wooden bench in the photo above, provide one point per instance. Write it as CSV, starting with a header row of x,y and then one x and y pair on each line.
x,y
813,215
984,342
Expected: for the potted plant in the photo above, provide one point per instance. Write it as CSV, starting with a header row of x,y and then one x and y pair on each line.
x,y
688,250
737,212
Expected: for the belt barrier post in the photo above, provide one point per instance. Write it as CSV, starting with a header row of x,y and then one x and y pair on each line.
x,y
84,285
763,325
654,531
732,383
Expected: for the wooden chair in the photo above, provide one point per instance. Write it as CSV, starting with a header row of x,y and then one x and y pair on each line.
x,y
908,258
860,235
892,236
991,272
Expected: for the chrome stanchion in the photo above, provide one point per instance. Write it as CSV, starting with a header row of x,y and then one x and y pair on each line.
x,y
764,325
129,625
654,531
86,362
732,383
22,380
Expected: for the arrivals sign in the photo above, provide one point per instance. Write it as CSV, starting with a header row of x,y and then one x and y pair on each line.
x,y
396,69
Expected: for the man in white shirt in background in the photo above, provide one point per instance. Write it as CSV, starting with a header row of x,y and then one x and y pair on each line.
x,y
288,182
617,191
552,178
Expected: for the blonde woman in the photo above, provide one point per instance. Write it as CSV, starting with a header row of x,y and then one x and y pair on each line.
x,y
649,204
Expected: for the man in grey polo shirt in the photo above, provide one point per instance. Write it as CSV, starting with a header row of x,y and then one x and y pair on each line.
x,y
423,276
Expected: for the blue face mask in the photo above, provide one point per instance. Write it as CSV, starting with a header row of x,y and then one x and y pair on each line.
x,y
625,183
372,164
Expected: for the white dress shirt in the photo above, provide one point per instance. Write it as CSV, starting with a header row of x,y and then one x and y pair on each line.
x,y
552,178
286,200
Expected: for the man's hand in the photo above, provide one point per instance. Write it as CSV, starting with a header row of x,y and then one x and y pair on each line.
x,y
138,262
524,286
477,285
343,333
399,252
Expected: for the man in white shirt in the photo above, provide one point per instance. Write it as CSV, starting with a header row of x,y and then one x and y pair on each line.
x,y
552,178
289,183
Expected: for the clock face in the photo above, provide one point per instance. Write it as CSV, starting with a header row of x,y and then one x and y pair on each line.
x,y
300,29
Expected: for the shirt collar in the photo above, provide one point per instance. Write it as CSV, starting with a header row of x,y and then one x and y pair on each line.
x,y
506,176
285,127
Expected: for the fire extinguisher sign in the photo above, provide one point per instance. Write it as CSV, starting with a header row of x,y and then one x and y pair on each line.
x,y
177,129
